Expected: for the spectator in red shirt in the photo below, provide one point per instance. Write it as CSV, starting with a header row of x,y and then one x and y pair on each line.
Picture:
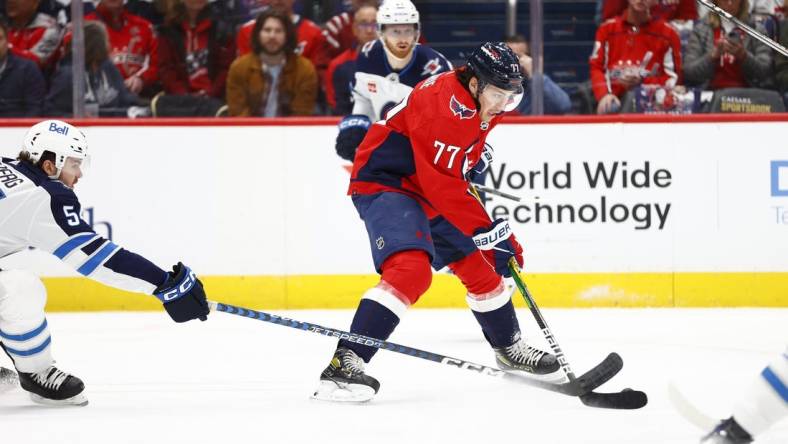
x,y
195,50
630,50
663,9
31,34
133,45
339,75
721,56
310,40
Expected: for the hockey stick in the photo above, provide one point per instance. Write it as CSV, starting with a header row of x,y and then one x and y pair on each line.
x,y
688,410
496,192
580,386
746,28
502,194
625,399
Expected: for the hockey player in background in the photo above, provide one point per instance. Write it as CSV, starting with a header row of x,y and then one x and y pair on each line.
x,y
410,186
40,210
387,69
765,404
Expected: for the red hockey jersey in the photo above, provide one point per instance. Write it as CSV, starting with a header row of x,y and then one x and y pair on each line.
x,y
654,48
133,44
681,10
424,148
38,41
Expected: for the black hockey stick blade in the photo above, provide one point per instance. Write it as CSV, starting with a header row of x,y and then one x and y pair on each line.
x,y
626,399
581,386
600,374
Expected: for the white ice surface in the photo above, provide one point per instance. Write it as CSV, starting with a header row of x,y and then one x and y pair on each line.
x,y
235,380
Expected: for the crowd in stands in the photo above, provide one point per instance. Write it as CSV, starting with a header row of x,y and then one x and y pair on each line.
x,y
679,49
263,58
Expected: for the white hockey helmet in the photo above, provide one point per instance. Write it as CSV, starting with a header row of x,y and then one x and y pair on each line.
x,y
397,12
60,138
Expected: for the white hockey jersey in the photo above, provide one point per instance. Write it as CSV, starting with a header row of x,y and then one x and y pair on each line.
x,y
378,87
36,211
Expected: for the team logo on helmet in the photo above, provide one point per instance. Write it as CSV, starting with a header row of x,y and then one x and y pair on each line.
x,y
460,110
490,51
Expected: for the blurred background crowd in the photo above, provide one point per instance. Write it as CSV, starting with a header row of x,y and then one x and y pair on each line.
x,y
272,58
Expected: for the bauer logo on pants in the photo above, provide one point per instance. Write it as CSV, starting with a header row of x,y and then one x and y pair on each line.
x,y
779,178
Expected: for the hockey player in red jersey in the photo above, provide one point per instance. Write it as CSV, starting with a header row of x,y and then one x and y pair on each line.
x,y
410,186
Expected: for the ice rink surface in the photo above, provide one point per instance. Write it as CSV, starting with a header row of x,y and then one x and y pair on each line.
x,y
234,380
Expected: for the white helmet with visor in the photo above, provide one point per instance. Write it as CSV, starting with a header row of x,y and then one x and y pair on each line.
x,y
60,138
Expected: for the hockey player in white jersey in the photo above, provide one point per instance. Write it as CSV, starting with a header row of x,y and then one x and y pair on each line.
x,y
38,208
387,70
765,404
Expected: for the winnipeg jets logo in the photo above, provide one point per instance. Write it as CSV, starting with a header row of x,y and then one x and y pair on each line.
x,y
460,110
431,67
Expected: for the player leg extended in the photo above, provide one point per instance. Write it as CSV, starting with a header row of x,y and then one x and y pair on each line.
x,y
490,301
399,238
24,336
765,404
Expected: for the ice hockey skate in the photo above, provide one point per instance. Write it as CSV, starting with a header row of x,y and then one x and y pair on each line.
x,y
344,379
727,432
524,358
54,387
8,379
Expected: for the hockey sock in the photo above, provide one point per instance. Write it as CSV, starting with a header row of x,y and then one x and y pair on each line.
x,y
489,300
500,325
372,319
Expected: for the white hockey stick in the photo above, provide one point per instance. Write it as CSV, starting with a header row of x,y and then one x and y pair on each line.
x,y
688,410
746,28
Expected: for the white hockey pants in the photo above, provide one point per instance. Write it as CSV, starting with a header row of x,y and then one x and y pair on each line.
x,y
23,326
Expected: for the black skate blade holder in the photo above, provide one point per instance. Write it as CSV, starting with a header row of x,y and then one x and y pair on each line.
x,y
584,386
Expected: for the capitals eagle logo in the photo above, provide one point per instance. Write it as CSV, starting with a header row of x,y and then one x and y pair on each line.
x,y
460,110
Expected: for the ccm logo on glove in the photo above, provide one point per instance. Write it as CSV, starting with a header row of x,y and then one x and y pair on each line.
x,y
181,289
487,240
